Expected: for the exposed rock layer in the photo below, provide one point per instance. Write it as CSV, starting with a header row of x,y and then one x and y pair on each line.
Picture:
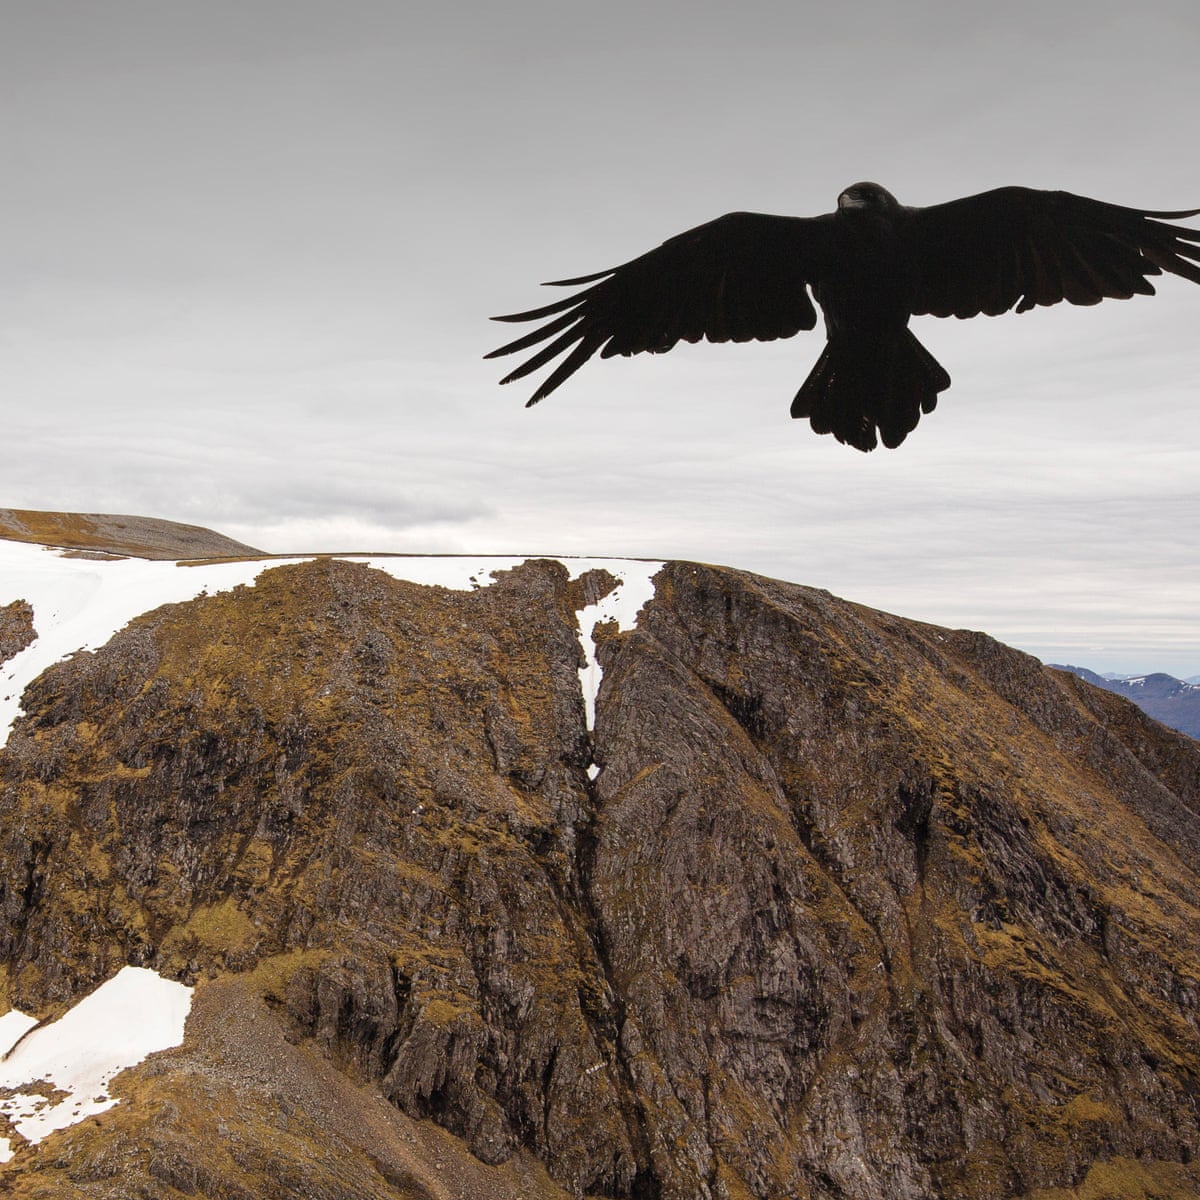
x,y
856,907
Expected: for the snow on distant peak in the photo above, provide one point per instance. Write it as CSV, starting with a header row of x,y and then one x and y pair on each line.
x,y
134,1014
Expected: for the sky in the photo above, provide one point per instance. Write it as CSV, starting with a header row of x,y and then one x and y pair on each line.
x,y
248,251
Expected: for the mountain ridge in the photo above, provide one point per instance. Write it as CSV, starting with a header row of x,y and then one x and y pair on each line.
x,y
851,907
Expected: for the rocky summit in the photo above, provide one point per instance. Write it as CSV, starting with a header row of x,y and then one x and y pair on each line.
x,y
822,904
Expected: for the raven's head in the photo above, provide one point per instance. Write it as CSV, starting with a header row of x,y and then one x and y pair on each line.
x,y
869,196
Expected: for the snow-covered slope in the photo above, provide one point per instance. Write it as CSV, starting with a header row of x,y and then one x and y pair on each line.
x,y
79,603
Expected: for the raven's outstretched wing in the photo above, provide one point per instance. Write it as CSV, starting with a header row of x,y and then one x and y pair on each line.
x,y
739,278
1023,247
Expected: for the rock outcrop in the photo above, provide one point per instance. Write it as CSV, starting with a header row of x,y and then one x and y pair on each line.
x,y
16,628
854,907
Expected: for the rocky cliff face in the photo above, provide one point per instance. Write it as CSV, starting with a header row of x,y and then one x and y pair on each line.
x,y
853,907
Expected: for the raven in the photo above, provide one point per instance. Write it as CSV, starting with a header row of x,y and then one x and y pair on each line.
x,y
871,265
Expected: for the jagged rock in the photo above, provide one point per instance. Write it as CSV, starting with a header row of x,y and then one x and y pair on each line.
x,y
855,908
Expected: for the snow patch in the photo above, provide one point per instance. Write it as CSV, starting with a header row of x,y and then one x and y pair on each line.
x,y
635,588
458,572
134,1014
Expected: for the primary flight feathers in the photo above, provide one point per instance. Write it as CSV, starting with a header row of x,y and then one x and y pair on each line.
x,y
870,265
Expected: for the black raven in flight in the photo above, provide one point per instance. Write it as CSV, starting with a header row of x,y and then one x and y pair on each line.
x,y
871,265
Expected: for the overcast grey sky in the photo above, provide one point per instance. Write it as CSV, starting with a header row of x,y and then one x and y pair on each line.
x,y
249,250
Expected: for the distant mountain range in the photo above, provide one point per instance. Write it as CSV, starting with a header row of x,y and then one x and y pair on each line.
x,y
1174,702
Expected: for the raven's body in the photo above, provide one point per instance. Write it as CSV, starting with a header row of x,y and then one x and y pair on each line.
x,y
873,373
870,265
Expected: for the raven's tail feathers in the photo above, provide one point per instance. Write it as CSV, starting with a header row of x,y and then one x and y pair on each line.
x,y
857,388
